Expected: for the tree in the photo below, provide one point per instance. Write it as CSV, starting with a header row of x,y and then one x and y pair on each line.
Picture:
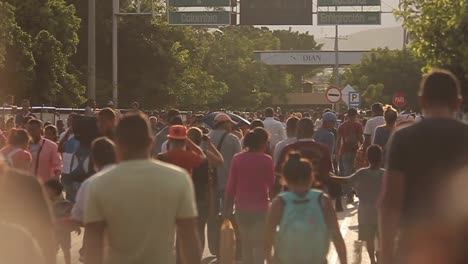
x,y
437,31
383,73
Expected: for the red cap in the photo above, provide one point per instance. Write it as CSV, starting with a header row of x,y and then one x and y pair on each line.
x,y
177,132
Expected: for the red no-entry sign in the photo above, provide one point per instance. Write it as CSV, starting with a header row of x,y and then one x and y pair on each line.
x,y
399,100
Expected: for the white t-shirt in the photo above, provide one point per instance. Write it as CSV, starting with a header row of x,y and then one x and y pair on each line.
x,y
372,124
276,130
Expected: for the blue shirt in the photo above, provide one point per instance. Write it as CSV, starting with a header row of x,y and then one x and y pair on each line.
x,y
326,137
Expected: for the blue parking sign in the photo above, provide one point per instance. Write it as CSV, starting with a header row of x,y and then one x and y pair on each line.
x,y
354,99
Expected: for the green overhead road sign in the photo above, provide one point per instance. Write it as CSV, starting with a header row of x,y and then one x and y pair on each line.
x,y
216,18
348,18
202,3
348,3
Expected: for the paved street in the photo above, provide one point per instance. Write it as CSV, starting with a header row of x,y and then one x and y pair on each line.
x,y
349,228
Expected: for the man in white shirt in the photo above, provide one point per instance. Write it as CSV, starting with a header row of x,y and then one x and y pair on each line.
x,y
376,121
275,128
291,127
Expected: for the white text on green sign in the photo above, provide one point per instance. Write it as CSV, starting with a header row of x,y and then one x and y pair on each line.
x,y
200,18
348,18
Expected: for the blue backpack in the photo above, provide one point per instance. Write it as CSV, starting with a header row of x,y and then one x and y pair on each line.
x,y
303,235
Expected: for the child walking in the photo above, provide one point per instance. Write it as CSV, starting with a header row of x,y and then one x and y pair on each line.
x,y
306,219
62,210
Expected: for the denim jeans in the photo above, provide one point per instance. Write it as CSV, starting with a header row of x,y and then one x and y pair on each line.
x,y
347,160
252,228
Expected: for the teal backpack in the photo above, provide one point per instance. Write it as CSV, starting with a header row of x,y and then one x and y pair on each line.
x,y
303,236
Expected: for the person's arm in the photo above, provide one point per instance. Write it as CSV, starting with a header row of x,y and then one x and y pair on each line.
x,y
214,157
367,136
194,148
390,213
62,141
93,243
273,220
189,240
56,162
334,228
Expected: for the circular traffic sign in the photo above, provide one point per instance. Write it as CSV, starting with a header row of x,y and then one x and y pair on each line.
x,y
333,94
399,100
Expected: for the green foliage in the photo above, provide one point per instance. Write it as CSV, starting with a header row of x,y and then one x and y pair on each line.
x,y
438,33
383,73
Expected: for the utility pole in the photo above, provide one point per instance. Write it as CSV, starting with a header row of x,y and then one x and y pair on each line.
x,y
115,13
337,58
92,49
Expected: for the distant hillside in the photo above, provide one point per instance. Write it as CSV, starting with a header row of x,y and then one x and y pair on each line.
x,y
369,39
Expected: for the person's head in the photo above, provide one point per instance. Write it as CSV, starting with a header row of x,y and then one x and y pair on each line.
x,y
377,109
26,105
70,120
103,153
135,106
306,115
297,172
51,133
60,125
390,115
106,121
291,126
305,128
10,123
110,104
34,127
177,120
18,138
269,112
256,140
196,135
256,123
91,103
329,120
173,113
223,121
53,188
177,137
352,114
134,138
374,155
153,121
440,93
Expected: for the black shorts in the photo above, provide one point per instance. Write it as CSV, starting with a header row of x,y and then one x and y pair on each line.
x,y
367,232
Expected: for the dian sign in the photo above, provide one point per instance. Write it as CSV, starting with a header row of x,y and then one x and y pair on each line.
x,y
399,100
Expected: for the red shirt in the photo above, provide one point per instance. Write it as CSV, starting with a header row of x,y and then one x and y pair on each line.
x,y
351,133
317,153
21,160
185,159
250,178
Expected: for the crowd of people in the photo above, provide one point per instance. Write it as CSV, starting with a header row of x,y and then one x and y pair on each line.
x,y
155,189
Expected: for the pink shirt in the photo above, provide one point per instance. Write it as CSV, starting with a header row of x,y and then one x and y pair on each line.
x,y
49,160
19,159
250,178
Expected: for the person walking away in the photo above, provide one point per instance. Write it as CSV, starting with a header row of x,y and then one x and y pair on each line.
x,y
291,128
22,117
68,145
51,133
250,178
140,203
46,162
60,127
161,137
182,151
15,153
421,160
350,137
201,177
107,120
376,121
367,182
316,153
382,133
274,127
62,210
305,217
228,145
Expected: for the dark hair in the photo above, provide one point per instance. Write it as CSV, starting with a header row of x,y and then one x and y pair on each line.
x,y
103,152
18,137
256,123
107,113
48,123
352,112
177,120
297,170
291,124
377,108
171,114
440,88
136,104
269,112
374,154
35,122
306,114
390,115
134,132
255,139
51,127
54,185
305,128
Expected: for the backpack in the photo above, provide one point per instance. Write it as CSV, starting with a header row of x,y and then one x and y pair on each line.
x,y
10,155
83,169
303,235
